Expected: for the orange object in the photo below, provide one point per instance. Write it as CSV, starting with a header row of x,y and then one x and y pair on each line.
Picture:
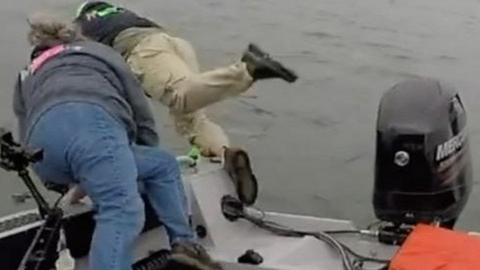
x,y
432,248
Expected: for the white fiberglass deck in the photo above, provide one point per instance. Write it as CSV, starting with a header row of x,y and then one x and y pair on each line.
x,y
226,240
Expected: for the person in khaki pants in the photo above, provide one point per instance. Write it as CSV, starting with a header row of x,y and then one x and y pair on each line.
x,y
170,73
168,69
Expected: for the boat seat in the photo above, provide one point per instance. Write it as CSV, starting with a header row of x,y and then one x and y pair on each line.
x,y
79,227
58,188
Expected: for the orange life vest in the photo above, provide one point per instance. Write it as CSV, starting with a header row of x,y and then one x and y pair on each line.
x,y
432,248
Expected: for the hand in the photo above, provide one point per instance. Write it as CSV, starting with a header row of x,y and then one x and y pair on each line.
x,y
76,195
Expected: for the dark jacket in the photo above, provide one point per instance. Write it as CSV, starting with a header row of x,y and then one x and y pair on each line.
x,y
104,23
84,72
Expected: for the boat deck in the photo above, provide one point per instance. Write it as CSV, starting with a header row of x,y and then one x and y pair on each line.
x,y
226,240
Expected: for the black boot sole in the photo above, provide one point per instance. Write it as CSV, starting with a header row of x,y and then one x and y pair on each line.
x,y
237,165
276,68
185,262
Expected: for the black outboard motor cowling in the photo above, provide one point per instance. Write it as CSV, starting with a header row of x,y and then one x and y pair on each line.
x,y
423,168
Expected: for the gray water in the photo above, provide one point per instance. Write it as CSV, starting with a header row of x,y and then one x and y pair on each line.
x,y
312,142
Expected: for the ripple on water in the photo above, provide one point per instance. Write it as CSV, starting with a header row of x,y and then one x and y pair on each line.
x,y
402,57
215,4
256,109
445,57
379,29
321,35
383,72
386,46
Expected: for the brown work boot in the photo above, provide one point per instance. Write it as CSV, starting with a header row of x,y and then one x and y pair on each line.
x,y
237,165
191,256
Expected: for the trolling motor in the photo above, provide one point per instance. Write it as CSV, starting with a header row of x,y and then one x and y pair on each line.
x,y
423,171
41,254
15,158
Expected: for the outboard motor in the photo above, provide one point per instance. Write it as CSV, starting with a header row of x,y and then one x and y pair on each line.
x,y
423,167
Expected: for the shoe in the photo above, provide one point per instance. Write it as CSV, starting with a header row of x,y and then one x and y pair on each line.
x,y
237,165
261,66
191,256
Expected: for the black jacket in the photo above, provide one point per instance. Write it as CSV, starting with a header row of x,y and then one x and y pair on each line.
x,y
103,25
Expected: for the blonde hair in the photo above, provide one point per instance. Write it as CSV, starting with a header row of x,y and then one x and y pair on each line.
x,y
48,31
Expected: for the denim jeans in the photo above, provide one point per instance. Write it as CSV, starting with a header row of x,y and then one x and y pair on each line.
x,y
84,144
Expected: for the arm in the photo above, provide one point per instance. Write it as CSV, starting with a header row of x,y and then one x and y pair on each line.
x,y
74,196
133,93
143,117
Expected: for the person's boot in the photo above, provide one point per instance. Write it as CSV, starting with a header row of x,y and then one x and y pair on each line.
x,y
261,66
237,164
190,256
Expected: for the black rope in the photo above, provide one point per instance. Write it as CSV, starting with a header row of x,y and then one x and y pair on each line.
x,y
284,231
345,252
343,232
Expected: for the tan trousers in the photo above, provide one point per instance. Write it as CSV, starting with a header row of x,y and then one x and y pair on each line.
x,y
169,71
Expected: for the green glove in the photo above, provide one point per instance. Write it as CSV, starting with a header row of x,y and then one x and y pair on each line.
x,y
194,153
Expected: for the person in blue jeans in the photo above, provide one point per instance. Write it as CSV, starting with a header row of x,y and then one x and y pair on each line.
x,y
79,102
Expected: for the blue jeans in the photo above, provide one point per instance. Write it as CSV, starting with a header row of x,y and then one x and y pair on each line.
x,y
84,144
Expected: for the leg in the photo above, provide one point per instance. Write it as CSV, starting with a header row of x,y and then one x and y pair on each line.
x,y
110,181
89,147
202,132
159,172
109,178
196,126
160,62
186,51
168,69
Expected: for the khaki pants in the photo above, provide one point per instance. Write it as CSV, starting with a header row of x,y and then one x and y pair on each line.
x,y
169,71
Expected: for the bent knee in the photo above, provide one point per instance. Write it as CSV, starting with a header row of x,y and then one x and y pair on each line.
x,y
169,160
168,166
127,209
